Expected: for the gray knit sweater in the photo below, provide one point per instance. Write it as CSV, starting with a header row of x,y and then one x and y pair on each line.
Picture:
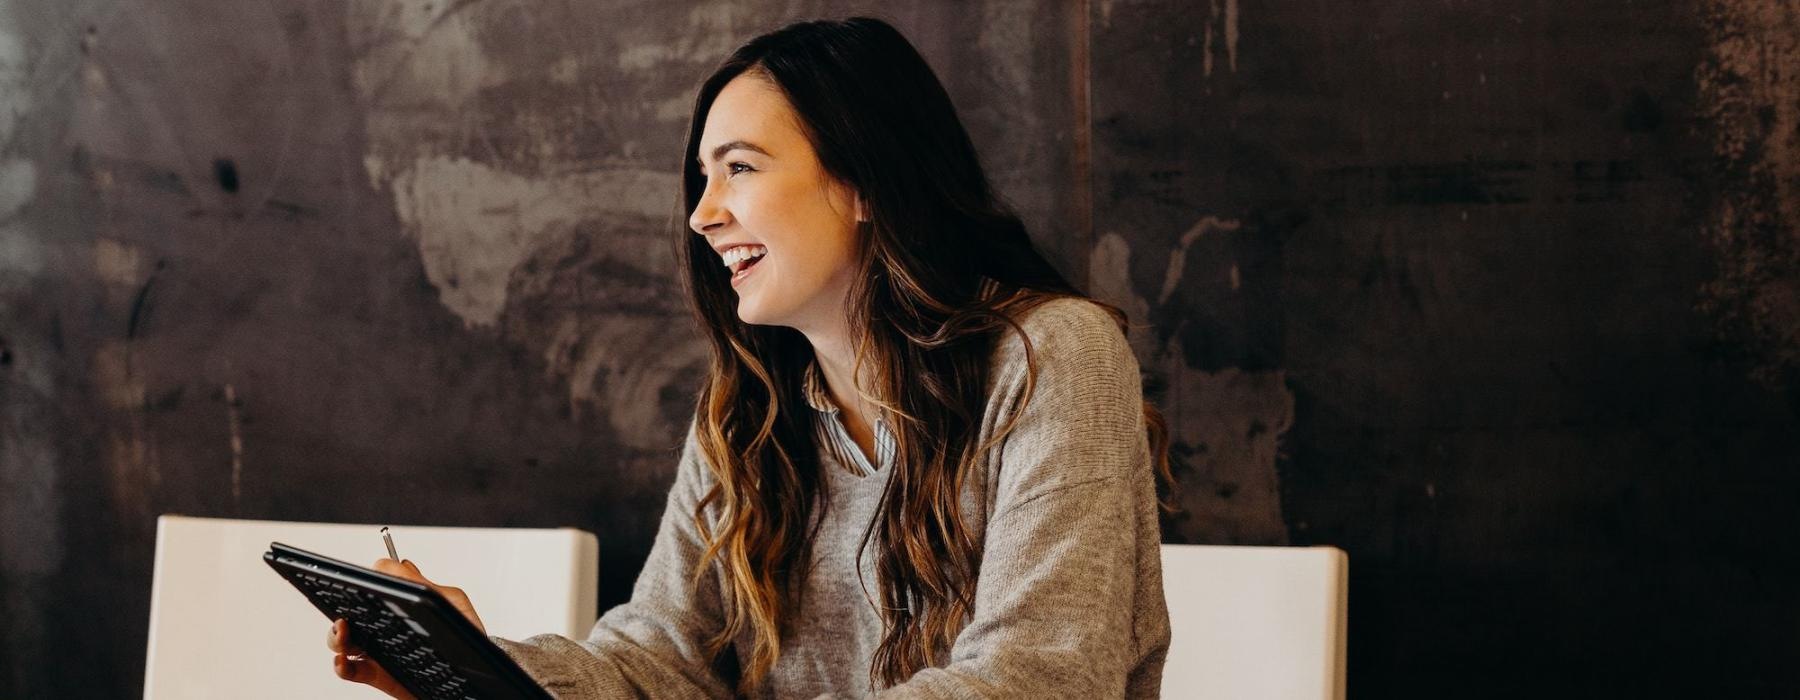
x,y
1069,601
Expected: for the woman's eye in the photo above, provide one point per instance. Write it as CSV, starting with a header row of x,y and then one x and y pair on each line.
x,y
736,168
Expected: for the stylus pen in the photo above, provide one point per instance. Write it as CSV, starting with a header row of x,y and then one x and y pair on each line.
x,y
389,539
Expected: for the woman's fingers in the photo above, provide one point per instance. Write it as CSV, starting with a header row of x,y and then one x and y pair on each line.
x,y
338,638
455,596
394,568
369,673
350,664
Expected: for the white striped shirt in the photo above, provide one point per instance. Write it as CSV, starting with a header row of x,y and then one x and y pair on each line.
x,y
835,437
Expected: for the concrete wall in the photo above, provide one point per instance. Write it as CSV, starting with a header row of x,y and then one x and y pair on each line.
x,y
1502,298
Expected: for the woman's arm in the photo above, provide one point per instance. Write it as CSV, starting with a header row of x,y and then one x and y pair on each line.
x,y
1069,598
654,645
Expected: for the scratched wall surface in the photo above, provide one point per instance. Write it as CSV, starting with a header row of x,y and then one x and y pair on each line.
x,y
1501,299
1498,297
375,262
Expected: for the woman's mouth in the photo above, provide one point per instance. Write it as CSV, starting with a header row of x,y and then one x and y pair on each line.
x,y
741,258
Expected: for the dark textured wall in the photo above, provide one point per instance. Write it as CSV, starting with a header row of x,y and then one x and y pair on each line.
x,y
1502,298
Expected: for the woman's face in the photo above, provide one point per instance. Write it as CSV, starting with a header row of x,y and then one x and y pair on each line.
x,y
766,191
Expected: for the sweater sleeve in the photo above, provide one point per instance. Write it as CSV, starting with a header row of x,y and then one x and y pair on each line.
x,y
1056,593
655,644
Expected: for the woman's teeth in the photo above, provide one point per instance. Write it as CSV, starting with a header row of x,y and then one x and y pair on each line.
x,y
737,258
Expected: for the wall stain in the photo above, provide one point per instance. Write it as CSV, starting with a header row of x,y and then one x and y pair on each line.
x,y
598,311
527,222
1225,425
1479,349
474,224
1751,105
1221,21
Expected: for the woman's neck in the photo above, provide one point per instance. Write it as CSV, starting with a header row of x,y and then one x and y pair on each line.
x,y
836,354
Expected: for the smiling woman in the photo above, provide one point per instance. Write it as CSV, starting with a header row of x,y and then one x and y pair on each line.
x,y
765,190
921,464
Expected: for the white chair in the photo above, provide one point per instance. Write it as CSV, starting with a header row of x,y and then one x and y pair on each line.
x,y
1265,623
224,625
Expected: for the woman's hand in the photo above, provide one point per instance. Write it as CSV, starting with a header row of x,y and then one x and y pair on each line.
x,y
351,664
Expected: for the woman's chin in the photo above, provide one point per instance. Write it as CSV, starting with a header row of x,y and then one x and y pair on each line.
x,y
752,313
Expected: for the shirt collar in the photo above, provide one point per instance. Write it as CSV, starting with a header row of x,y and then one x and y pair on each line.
x,y
813,388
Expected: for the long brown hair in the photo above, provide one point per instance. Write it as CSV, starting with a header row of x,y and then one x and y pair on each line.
x,y
944,268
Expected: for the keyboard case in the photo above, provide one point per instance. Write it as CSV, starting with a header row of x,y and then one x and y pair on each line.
x,y
423,641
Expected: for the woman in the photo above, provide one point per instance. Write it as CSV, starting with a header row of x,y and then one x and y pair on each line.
x,y
921,464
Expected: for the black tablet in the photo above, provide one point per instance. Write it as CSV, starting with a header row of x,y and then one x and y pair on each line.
x,y
429,646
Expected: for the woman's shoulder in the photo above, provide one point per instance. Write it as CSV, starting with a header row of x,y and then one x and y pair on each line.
x,y
1077,311
1064,330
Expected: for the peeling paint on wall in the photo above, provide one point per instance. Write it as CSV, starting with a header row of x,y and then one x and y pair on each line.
x,y
234,423
1225,426
417,52
1222,21
19,253
1109,280
598,309
562,250
1178,258
1751,102
712,33
474,224
28,470
117,263
113,376
1456,337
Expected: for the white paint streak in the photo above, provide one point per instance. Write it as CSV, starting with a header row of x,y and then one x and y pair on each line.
x,y
674,108
622,364
376,168
236,424
416,54
474,223
1220,21
19,253
15,74
713,33
1109,279
117,263
1206,48
1178,259
479,208
1231,420
1231,33
113,376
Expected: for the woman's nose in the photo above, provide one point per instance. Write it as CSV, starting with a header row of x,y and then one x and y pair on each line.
x,y
708,216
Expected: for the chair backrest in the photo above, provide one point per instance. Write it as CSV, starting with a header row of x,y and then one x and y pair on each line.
x,y
224,625
1255,622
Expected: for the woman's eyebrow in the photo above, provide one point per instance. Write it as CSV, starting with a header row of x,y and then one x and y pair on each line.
x,y
720,150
